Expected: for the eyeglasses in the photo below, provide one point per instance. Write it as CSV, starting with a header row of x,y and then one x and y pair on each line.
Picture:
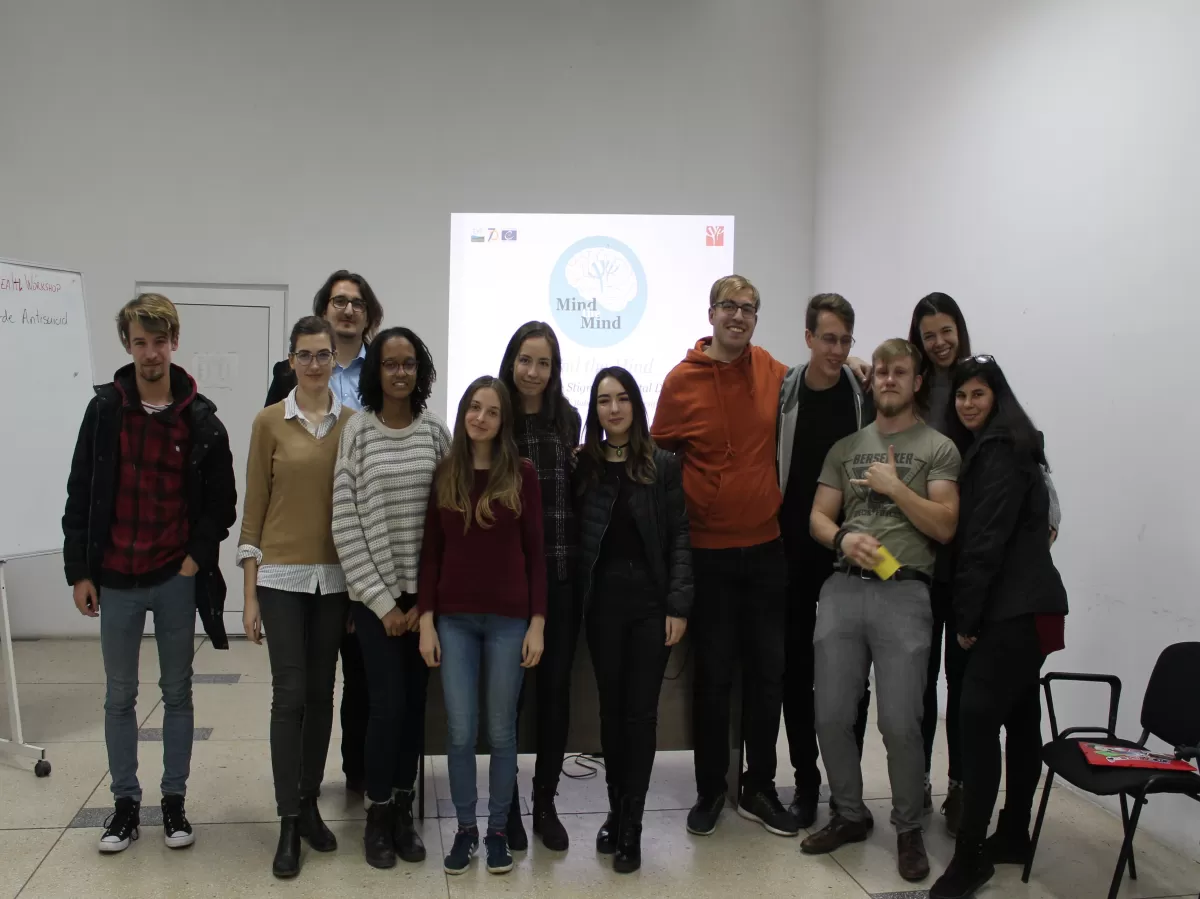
x,y
984,359
305,358
340,302
409,366
729,307
832,341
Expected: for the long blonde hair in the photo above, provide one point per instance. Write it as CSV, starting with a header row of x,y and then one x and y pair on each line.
x,y
456,475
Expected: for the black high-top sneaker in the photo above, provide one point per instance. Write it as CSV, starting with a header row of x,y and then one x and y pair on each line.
x,y
176,830
121,827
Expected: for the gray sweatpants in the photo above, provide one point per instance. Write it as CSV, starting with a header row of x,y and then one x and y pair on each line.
x,y
890,624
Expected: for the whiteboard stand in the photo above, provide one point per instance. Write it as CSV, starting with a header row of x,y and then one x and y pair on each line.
x,y
16,743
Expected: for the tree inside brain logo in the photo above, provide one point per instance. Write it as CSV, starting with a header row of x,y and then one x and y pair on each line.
x,y
597,292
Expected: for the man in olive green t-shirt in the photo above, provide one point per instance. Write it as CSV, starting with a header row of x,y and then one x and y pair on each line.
x,y
892,485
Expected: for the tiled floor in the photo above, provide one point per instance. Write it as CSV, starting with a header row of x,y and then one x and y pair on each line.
x,y
48,826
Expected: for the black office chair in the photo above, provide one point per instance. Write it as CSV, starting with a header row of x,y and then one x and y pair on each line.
x,y
1170,712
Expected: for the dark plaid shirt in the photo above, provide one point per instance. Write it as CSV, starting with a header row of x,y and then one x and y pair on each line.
x,y
150,515
541,444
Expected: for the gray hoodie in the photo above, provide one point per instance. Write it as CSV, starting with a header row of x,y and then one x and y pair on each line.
x,y
789,400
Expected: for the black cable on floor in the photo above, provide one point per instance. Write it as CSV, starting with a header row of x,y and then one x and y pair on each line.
x,y
591,765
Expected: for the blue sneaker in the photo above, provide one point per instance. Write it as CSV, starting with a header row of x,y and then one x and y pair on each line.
x,y
499,859
466,841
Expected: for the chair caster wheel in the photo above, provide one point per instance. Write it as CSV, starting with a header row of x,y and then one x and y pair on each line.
x,y
42,768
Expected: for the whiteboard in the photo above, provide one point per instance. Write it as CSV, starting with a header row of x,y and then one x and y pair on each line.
x,y
45,386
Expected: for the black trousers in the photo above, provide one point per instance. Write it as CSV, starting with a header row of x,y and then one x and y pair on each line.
x,y
626,634
552,681
739,615
304,631
941,599
805,579
1000,689
396,726
355,709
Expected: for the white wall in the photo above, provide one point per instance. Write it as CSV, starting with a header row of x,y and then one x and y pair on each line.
x,y
1037,161
273,142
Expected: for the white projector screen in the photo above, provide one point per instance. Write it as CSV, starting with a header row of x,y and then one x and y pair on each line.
x,y
628,290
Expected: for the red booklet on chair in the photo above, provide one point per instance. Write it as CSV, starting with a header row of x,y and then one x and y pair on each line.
x,y
1132,757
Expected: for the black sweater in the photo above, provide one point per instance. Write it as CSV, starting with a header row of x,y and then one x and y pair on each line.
x,y
1002,563
662,523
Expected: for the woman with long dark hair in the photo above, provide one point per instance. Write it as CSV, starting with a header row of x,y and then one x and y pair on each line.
x,y
636,585
482,602
294,584
546,427
385,468
1009,609
939,331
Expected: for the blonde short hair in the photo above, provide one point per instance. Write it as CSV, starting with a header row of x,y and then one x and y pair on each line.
x,y
152,311
724,288
896,348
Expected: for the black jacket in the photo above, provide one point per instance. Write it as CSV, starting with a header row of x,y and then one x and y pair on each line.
x,y
283,379
1002,563
211,495
662,520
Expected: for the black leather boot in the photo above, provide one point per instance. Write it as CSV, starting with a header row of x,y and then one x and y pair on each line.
x,y
545,818
408,843
287,854
518,841
1010,844
966,873
313,829
606,836
377,839
629,838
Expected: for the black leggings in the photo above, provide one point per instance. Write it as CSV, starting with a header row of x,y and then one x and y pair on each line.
x,y
942,603
552,681
626,634
1000,689
396,726
304,631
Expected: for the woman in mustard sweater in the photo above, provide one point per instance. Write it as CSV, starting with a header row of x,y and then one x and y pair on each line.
x,y
294,584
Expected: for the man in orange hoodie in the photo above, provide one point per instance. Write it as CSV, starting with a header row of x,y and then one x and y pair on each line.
x,y
718,410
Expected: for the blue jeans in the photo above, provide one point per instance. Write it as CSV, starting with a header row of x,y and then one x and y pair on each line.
x,y
492,642
122,621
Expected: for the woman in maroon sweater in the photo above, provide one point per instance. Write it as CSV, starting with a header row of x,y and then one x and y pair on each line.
x,y
483,576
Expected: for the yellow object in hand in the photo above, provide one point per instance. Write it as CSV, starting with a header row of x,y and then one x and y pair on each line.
x,y
887,565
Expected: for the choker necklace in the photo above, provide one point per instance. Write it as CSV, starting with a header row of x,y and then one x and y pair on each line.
x,y
620,448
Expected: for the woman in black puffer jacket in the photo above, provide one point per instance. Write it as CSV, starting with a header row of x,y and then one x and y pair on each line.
x,y
1009,610
636,584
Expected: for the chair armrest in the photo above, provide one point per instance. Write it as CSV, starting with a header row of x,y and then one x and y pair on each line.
x,y
1114,699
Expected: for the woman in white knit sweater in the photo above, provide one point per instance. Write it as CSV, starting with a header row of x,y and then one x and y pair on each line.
x,y
385,468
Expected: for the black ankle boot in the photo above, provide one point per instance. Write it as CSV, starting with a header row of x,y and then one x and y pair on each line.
x,y
287,854
518,841
408,843
629,837
606,836
966,873
377,839
545,818
1010,844
313,829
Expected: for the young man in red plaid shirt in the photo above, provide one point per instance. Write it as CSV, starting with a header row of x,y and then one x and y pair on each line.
x,y
150,497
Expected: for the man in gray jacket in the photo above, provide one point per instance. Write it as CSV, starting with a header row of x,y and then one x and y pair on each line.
x,y
821,402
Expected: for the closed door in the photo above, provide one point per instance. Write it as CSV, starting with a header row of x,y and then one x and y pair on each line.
x,y
229,337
